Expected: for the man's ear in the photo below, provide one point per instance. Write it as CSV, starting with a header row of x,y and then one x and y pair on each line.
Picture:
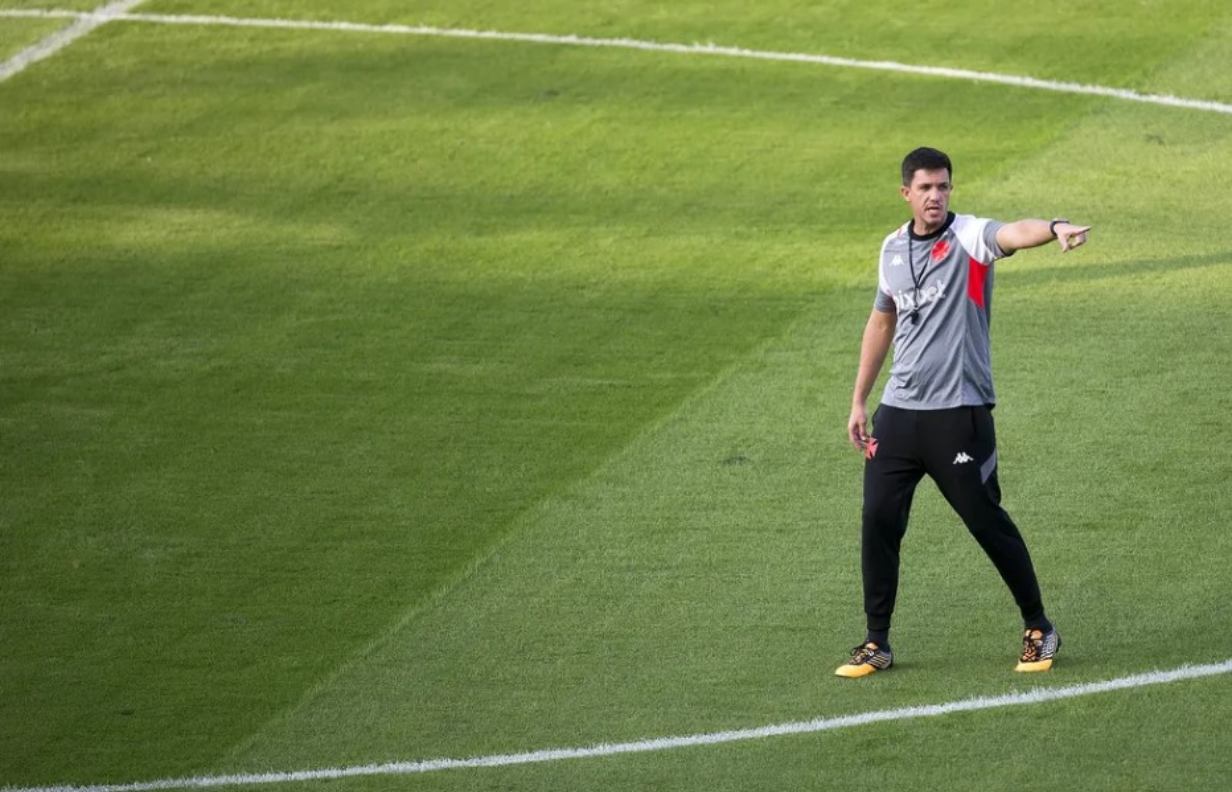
x,y
906,192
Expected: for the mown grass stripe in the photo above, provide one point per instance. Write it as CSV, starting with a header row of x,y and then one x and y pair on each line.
x,y
1035,696
1017,81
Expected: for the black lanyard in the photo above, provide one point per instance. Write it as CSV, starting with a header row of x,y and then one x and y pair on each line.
x,y
916,282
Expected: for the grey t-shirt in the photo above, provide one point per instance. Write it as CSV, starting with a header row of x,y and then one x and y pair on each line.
x,y
941,352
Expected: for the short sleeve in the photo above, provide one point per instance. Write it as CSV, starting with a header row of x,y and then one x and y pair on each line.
x,y
883,302
990,239
978,237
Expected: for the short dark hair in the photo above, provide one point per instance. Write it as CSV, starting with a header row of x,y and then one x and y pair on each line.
x,y
925,158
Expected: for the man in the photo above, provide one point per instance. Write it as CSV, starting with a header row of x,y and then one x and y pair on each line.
x,y
933,302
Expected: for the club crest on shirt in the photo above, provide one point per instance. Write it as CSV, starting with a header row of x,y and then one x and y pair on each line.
x,y
940,250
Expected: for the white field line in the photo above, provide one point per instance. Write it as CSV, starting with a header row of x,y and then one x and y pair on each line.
x,y
1035,696
636,44
82,24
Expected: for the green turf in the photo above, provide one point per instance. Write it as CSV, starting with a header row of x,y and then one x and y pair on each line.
x,y
65,5
1089,41
713,599
17,34
370,398
1117,750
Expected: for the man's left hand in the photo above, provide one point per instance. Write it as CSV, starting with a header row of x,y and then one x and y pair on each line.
x,y
1071,236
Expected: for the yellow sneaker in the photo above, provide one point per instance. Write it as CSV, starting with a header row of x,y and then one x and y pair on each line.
x,y
1038,649
867,658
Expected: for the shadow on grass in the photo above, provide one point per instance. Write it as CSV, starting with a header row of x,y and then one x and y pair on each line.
x,y
1078,271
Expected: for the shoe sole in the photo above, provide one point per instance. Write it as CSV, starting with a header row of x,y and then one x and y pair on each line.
x,y
856,671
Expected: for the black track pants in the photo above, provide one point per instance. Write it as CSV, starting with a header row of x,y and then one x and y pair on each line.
x,y
958,449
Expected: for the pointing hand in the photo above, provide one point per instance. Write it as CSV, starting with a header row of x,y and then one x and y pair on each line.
x,y
1071,236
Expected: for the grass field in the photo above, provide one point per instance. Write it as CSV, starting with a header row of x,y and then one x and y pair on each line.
x,y
369,398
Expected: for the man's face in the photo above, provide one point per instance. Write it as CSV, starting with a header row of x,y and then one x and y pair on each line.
x,y
929,196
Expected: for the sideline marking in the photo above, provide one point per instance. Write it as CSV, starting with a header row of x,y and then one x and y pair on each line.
x,y
637,44
82,24
1035,696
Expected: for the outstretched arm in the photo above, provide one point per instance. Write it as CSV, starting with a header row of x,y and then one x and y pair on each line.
x,y
878,333
1033,233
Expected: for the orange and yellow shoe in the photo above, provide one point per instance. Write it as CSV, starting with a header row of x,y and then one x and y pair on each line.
x,y
1038,649
867,658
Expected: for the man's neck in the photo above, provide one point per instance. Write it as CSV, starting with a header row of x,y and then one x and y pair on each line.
x,y
922,229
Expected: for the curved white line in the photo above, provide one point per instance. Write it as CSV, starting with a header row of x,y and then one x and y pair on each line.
x,y
1034,696
652,46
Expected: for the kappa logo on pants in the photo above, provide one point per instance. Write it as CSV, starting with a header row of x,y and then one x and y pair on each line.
x,y
962,457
